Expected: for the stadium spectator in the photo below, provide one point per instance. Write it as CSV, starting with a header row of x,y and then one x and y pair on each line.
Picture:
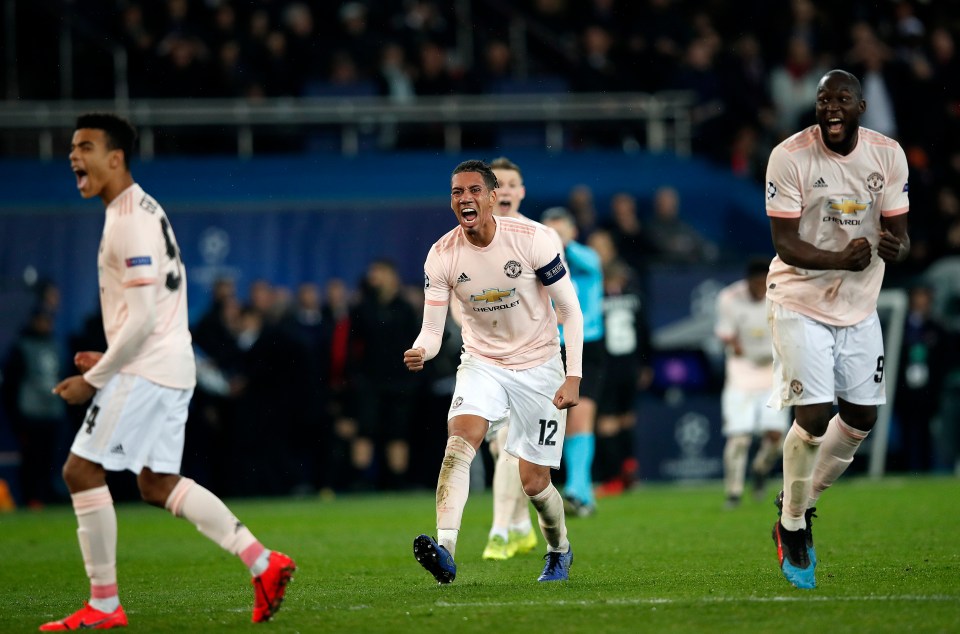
x,y
629,237
925,357
793,86
33,364
382,322
675,241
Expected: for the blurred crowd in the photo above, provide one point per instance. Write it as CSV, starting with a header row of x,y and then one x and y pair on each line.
x,y
753,66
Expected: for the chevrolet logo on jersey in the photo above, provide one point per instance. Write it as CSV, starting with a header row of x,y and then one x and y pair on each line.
x,y
847,206
491,295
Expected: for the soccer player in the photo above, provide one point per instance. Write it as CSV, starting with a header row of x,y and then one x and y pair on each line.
x,y
742,327
586,272
837,201
141,386
511,532
504,274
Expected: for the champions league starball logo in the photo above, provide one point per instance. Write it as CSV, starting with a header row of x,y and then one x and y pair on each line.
x,y
771,190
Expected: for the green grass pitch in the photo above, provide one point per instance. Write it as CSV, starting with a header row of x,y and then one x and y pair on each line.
x,y
659,559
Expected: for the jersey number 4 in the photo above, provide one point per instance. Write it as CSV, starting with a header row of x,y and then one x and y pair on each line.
x,y
548,429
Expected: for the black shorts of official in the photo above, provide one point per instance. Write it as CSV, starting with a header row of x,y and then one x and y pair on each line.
x,y
619,393
594,368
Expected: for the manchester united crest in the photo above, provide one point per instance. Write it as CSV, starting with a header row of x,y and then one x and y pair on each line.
x,y
512,269
875,182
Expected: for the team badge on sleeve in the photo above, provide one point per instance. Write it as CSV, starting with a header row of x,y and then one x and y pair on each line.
x,y
140,260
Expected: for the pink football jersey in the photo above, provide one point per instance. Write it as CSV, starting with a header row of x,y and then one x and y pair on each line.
x,y
837,198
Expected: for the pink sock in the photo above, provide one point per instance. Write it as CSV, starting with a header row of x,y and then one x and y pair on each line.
x,y
840,443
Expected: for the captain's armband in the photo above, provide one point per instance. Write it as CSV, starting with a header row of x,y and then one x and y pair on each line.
x,y
552,272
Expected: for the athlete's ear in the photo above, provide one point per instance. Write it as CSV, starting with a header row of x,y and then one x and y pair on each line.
x,y
116,159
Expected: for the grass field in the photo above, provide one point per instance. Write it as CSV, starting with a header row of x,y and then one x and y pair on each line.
x,y
659,559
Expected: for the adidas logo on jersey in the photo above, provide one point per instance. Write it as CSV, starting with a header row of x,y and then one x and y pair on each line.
x,y
820,182
463,278
117,449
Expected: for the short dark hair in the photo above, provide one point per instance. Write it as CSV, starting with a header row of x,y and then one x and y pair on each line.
x,y
120,133
489,178
851,79
503,163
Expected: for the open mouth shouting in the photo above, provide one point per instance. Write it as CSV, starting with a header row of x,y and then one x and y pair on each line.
x,y
82,179
834,126
469,217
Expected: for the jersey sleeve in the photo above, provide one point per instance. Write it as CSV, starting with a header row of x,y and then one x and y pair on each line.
x,y
135,243
436,286
784,198
895,200
546,261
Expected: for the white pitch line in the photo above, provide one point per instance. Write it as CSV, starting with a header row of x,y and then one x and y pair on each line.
x,y
910,598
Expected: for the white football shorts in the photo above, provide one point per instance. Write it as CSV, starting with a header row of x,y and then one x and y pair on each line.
x,y
747,412
814,362
522,398
134,423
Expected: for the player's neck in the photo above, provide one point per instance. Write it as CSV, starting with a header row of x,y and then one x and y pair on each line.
x,y
484,234
848,145
115,187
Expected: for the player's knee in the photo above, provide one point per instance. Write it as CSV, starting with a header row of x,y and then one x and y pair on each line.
x,y
862,417
154,488
814,418
534,484
82,475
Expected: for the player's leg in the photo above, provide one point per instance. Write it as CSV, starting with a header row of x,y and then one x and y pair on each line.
x,y
737,427
550,513
478,397
161,486
773,424
536,437
465,433
85,478
506,490
522,537
612,449
861,387
840,443
771,445
182,497
580,443
735,452
803,358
